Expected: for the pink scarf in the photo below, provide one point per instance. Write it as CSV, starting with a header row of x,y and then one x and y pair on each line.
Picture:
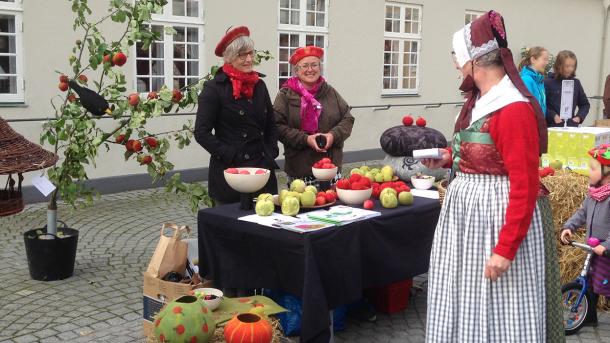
x,y
600,193
310,107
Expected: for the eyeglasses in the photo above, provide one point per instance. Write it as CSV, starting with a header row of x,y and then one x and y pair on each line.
x,y
313,66
244,55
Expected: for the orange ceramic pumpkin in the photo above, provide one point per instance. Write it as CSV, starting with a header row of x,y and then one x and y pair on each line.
x,y
248,328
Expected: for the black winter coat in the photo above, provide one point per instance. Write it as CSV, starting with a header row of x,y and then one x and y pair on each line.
x,y
553,101
245,134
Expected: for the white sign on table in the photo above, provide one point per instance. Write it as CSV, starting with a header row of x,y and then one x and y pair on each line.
x,y
567,99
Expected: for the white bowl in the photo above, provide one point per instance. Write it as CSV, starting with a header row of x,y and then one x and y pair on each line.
x,y
423,184
324,174
248,183
354,197
214,303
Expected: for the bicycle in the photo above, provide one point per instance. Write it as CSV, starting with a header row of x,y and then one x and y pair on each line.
x,y
575,295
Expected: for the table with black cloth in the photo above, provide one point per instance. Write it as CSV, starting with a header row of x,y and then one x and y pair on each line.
x,y
325,268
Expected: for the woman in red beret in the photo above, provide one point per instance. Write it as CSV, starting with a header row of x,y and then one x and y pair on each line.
x,y
306,108
235,120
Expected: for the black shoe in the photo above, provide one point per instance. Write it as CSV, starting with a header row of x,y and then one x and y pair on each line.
x,y
364,313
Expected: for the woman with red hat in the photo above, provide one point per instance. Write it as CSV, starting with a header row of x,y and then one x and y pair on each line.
x,y
491,276
235,120
313,119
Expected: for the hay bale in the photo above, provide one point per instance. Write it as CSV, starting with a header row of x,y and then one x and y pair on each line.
x,y
568,191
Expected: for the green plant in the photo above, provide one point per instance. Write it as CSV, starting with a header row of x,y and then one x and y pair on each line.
x,y
75,133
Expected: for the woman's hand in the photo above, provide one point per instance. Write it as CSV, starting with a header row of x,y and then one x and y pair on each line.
x,y
435,164
330,139
558,119
576,119
496,266
311,141
566,234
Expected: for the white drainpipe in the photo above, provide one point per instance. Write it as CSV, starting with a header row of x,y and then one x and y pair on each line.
x,y
602,76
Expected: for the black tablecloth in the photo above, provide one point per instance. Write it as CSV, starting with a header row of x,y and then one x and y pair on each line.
x,y
325,268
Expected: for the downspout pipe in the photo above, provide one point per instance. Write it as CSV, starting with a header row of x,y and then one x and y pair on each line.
x,y
602,76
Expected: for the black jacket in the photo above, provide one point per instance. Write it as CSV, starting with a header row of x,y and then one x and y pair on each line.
x,y
553,101
245,134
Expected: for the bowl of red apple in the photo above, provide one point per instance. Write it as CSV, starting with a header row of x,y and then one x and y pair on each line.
x,y
324,169
247,180
355,190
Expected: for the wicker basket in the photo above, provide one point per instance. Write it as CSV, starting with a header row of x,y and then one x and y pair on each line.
x,y
17,156
11,199
442,190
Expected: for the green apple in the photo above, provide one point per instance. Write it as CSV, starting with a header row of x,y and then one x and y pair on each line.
x,y
312,189
264,207
290,206
379,178
388,191
375,171
365,169
264,196
370,176
388,173
356,171
308,198
405,198
297,186
388,200
295,195
557,165
283,194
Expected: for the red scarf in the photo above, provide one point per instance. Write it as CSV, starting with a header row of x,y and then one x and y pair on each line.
x,y
243,83
600,193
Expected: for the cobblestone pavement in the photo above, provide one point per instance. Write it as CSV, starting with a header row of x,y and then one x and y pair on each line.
x,y
102,302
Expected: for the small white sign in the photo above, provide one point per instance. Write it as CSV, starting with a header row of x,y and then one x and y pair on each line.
x,y
43,185
567,99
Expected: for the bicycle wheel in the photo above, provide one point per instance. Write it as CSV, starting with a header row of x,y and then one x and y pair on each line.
x,y
574,318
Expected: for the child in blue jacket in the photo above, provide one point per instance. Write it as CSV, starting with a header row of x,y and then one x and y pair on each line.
x,y
532,69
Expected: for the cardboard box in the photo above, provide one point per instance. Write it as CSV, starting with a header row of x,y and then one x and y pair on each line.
x,y
570,146
602,123
157,293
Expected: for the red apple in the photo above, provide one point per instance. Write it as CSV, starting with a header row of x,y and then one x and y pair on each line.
x,y
421,122
321,194
244,172
343,184
133,99
232,171
330,197
325,160
320,201
368,204
261,171
63,78
328,166
152,142
119,59
407,120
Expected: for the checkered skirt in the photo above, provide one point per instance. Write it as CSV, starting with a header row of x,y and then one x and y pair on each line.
x,y
464,306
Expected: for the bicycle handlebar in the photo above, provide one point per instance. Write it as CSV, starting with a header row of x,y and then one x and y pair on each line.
x,y
587,248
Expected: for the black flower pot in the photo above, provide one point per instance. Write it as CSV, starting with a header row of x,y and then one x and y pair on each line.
x,y
52,258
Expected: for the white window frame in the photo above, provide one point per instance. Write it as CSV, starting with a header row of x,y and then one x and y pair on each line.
x,y
402,38
470,13
167,19
15,9
303,31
